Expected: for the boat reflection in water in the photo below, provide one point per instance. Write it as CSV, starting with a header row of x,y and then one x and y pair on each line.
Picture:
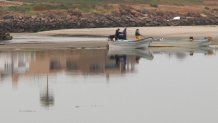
x,y
124,60
181,52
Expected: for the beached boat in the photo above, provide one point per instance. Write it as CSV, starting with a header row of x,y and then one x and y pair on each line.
x,y
181,43
143,43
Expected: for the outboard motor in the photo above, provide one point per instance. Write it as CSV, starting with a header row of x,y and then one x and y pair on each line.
x,y
121,36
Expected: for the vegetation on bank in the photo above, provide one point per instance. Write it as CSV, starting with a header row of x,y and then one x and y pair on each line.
x,y
113,1
32,6
66,4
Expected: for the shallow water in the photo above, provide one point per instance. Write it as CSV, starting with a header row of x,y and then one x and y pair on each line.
x,y
168,85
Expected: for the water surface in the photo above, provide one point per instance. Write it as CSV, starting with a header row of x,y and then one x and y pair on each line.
x,y
168,85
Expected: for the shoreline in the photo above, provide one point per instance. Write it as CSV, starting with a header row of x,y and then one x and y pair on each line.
x,y
68,38
161,31
172,32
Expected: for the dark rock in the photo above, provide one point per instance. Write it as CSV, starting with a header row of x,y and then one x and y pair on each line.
x,y
5,36
122,18
8,17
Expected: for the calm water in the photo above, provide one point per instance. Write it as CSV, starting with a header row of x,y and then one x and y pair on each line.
x,y
159,85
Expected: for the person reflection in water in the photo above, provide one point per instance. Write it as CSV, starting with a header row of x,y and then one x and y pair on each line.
x,y
191,53
120,61
137,59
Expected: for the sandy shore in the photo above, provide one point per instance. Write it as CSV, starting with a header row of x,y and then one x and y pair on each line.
x,y
166,32
177,32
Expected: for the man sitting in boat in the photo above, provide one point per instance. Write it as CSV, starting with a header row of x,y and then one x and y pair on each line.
x,y
138,36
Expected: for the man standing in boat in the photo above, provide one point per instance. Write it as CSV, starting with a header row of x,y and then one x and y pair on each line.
x,y
124,34
117,34
138,36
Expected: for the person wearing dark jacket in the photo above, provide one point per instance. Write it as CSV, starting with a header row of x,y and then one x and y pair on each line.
x,y
124,34
117,34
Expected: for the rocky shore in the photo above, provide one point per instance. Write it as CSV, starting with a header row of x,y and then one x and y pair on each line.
x,y
127,17
5,36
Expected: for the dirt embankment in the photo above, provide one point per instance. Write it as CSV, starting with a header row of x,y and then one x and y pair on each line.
x,y
116,16
210,2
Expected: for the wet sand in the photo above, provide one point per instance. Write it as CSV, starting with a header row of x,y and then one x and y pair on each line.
x,y
97,37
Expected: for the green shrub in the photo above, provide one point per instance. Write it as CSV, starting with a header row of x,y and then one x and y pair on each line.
x,y
207,8
23,8
154,3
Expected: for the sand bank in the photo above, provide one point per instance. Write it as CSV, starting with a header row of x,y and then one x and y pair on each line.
x,y
178,31
163,32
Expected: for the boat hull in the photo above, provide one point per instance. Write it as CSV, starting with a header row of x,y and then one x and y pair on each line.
x,y
181,43
144,43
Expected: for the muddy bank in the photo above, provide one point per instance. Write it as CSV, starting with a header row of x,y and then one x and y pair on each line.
x,y
125,17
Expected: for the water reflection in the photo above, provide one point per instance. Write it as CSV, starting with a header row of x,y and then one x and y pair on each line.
x,y
47,97
24,64
83,62
124,60
14,64
181,52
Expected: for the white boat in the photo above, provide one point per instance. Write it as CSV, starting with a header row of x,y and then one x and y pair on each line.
x,y
180,43
134,44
